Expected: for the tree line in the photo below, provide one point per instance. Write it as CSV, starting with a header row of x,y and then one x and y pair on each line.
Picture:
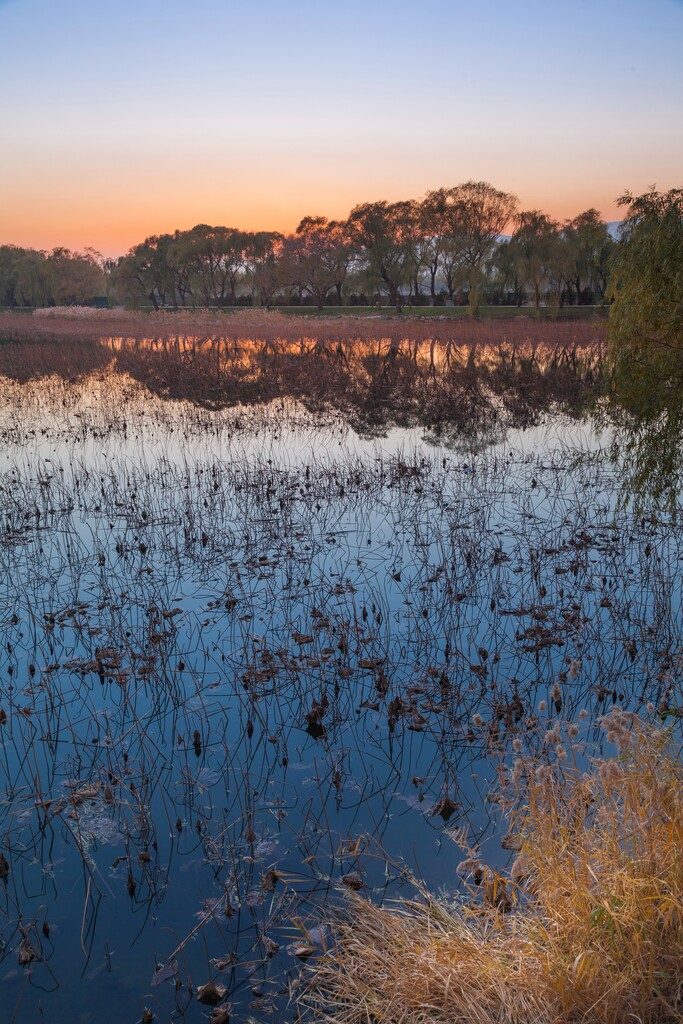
x,y
31,277
447,247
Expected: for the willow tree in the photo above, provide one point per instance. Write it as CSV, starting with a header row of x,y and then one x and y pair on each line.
x,y
74,277
646,344
316,258
473,216
212,260
589,246
382,233
144,272
646,292
262,251
533,243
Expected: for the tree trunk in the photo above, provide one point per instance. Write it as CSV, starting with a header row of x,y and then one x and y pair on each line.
x,y
394,294
473,298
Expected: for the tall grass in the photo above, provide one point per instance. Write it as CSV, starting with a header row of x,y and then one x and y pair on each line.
x,y
587,925
265,326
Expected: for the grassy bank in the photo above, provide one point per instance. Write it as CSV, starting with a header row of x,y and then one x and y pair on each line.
x,y
586,925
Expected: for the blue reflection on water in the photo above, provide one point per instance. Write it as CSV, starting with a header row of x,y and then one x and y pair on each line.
x,y
242,657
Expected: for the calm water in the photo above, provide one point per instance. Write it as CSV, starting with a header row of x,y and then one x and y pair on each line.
x,y
242,650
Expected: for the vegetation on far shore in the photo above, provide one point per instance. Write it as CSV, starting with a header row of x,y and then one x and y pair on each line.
x,y
445,249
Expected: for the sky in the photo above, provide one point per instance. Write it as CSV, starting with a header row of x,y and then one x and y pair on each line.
x,y
124,119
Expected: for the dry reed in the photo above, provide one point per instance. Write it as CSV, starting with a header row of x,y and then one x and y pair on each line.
x,y
587,925
262,325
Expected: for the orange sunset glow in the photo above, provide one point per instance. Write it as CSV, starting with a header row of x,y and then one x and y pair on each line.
x,y
94,158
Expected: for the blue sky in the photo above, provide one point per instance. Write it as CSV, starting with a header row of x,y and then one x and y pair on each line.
x,y
124,119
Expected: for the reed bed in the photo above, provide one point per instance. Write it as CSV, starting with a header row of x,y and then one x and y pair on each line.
x,y
586,925
264,326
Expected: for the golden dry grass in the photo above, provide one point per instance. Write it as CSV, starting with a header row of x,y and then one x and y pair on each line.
x,y
263,325
594,931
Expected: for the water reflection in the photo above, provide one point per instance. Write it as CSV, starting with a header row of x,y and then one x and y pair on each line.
x,y
249,655
646,420
473,390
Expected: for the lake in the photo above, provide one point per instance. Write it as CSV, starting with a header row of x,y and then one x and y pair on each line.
x,y
273,617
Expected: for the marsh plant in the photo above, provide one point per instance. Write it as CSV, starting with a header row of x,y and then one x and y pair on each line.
x,y
586,923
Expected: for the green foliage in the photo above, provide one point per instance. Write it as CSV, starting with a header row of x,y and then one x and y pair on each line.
x,y
382,235
469,219
651,453
589,247
646,290
646,346
29,277
534,247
